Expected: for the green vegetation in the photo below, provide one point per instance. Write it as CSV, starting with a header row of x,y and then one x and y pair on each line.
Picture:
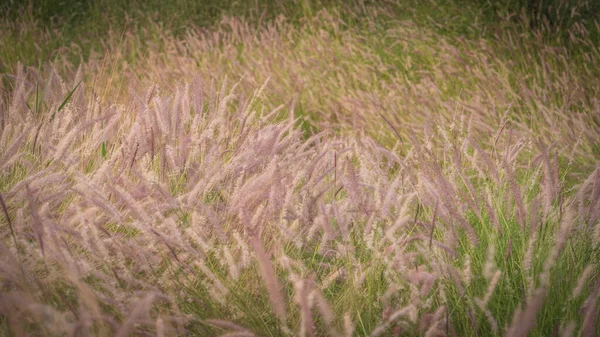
x,y
300,168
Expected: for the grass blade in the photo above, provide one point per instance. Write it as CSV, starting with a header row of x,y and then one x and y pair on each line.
x,y
65,101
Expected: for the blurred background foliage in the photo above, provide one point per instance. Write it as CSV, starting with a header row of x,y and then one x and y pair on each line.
x,y
36,31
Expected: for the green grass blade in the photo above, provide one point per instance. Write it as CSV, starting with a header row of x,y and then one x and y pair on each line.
x,y
66,100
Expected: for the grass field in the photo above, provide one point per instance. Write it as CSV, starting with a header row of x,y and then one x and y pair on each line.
x,y
300,168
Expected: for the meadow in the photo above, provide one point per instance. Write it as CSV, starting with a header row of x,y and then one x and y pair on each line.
x,y
300,168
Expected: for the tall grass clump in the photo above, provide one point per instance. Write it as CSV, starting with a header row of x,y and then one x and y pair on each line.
x,y
399,77
345,173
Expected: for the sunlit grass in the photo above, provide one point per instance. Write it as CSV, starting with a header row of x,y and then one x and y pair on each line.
x,y
354,170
